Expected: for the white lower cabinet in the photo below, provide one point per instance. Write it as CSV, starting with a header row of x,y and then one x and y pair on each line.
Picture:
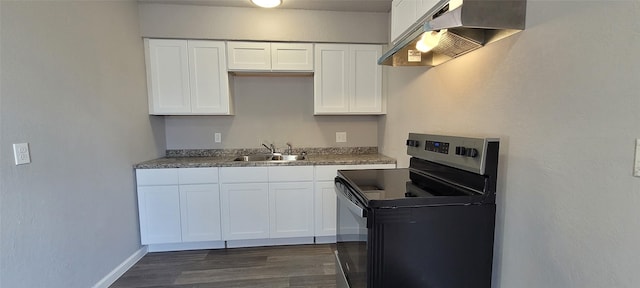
x,y
159,208
200,213
244,200
241,205
267,202
178,205
291,209
245,211
325,207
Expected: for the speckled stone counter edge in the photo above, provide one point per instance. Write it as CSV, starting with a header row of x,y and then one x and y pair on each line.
x,y
224,158
249,151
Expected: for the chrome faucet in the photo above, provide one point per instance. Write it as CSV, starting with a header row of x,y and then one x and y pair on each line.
x,y
271,148
289,149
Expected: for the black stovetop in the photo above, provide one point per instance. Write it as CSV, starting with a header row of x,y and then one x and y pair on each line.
x,y
404,187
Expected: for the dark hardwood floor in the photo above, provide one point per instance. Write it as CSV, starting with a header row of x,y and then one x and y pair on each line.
x,y
309,266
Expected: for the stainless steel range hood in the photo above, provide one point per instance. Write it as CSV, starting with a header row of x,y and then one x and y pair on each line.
x,y
456,27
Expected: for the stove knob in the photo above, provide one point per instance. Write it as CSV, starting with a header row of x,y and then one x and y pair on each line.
x,y
413,143
472,152
461,150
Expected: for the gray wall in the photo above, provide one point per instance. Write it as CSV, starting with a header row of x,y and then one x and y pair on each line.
x,y
232,23
270,110
73,86
564,97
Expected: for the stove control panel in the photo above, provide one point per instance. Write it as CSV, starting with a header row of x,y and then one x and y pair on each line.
x,y
437,146
467,152
461,152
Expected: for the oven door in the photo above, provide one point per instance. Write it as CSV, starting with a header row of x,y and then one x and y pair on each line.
x,y
351,230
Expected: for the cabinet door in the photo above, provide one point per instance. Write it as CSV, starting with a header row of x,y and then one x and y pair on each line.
x,y
167,76
403,15
423,6
365,79
245,211
325,208
200,212
159,208
291,57
331,79
249,56
209,80
291,209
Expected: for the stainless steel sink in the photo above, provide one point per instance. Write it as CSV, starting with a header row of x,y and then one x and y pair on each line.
x,y
288,157
269,157
254,157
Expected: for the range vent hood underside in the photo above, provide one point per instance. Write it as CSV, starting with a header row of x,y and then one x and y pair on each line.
x,y
467,27
455,42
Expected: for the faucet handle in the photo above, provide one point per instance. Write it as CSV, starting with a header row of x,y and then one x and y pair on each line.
x,y
289,148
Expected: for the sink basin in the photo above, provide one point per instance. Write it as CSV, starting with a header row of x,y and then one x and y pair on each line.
x,y
288,157
269,157
254,157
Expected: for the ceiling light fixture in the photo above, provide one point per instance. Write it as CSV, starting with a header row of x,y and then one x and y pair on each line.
x,y
267,3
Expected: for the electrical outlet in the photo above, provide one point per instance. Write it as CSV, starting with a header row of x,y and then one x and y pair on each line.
x,y
21,153
217,137
341,137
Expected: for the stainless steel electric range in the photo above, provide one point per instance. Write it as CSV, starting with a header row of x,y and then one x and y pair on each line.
x,y
429,225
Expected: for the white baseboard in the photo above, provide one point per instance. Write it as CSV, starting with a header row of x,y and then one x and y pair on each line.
x,y
325,239
269,242
186,246
121,269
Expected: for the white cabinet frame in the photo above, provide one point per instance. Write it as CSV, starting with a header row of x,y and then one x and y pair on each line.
x,y
265,56
348,80
187,77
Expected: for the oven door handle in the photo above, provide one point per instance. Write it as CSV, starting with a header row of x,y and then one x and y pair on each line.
x,y
353,207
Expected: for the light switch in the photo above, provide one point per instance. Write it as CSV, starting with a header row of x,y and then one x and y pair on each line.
x,y
217,137
341,137
636,165
21,153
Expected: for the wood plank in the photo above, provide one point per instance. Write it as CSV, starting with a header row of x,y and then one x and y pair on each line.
x,y
278,266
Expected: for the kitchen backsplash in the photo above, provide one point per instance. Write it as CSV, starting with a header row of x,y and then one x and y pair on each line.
x,y
235,152
270,110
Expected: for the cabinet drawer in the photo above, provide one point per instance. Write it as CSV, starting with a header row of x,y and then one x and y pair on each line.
x,y
145,177
290,173
198,175
327,173
243,174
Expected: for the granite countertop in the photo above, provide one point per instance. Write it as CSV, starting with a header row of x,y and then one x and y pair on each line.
x,y
225,158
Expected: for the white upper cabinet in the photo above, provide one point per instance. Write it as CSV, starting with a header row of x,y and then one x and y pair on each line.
x,y
365,79
249,55
330,79
291,57
423,6
263,56
403,14
208,78
187,77
168,76
348,80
